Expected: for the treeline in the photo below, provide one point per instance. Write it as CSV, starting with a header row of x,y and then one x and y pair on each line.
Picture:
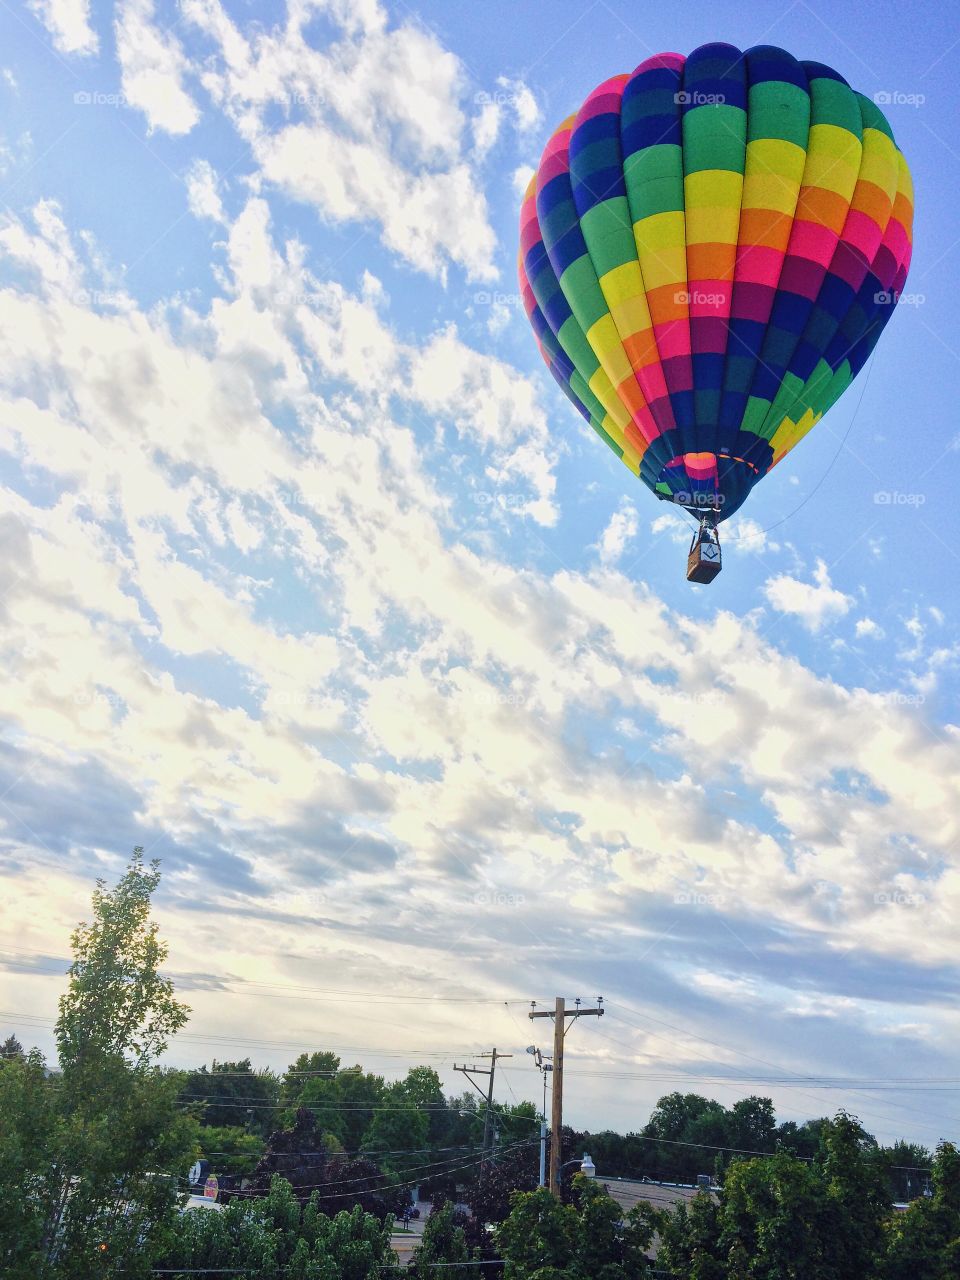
x,y
688,1135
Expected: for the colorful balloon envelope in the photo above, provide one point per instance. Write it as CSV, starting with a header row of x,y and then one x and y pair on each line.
x,y
709,251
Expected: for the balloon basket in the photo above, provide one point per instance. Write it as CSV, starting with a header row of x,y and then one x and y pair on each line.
x,y
704,561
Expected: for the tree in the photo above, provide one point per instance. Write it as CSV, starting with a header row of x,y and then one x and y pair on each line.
x,y
517,1169
690,1247
443,1241
769,1220
538,1239
230,1150
100,1170
687,1120
854,1201
232,1094
588,1239
299,1156
923,1243
397,1134
11,1048
906,1166
27,1182
296,1154
800,1140
277,1237
752,1125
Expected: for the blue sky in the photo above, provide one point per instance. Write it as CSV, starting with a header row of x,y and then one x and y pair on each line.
x,y
314,585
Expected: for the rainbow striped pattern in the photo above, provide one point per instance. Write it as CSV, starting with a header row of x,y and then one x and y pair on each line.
x,y
709,252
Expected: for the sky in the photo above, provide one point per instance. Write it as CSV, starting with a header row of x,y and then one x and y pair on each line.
x,y
313,584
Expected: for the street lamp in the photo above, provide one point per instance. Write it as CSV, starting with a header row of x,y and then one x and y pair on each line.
x,y
587,1167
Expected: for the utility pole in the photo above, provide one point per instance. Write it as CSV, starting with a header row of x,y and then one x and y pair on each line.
x,y
490,1071
560,1015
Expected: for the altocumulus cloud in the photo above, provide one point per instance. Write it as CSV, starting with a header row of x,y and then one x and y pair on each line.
x,y
253,619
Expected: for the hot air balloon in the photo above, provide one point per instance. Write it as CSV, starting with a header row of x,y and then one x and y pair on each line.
x,y
709,251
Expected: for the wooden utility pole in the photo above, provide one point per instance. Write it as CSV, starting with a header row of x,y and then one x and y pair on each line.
x,y
560,1015
490,1071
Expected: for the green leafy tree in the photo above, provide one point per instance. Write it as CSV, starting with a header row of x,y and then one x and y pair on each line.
x,y
27,1178
538,1239
100,1171
399,1130
443,1241
230,1150
752,1125
588,1239
923,1243
233,1094
11,1049
906,1167
680,1122
854,1202
690,1247
276,1237
800,1140
769,1220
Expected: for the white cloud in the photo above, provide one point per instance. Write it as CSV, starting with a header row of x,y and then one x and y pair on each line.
x,y
619,533
520,98
813,605
486,126
521,178
867,627
203,196
746,535
486,398
68,22
565,736
372,132
153,66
